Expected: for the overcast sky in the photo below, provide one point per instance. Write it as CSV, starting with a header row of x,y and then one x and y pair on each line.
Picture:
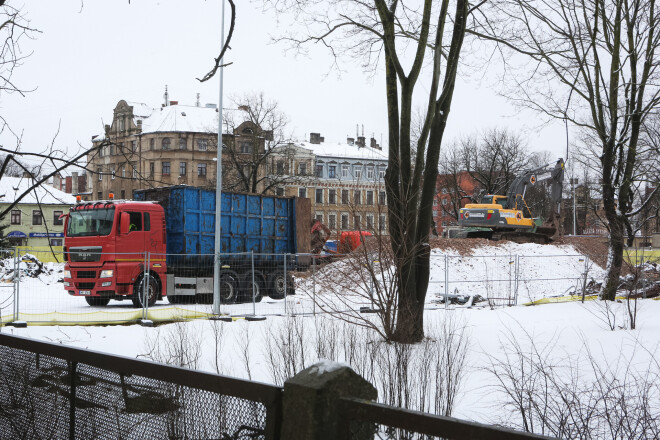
x,y
91,54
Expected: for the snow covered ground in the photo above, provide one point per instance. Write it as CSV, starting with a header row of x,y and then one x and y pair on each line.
x,y
565,332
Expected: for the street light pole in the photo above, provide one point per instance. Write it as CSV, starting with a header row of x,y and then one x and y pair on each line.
x,y
218,184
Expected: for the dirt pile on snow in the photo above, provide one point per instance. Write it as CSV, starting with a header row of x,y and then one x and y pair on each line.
x,y
30,266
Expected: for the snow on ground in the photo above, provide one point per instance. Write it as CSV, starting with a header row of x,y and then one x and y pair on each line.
x,y
565,330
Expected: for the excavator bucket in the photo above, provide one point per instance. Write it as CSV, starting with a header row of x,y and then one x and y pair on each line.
x,y
550,228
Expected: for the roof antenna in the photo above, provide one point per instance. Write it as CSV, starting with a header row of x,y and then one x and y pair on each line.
x,y
166,96
197,102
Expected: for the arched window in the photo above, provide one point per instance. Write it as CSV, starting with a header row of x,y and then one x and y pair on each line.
x,y
166,143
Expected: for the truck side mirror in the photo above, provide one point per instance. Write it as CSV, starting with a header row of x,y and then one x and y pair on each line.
x,y
125,222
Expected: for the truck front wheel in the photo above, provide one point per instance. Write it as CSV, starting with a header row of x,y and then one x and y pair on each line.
x,y
276,283
153,291
97,301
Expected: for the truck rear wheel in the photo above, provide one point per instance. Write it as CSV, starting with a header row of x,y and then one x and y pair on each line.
x,y
97,301
153,291
276,283
246,286
228,287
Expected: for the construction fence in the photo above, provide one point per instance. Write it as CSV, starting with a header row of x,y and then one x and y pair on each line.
x,y
148,287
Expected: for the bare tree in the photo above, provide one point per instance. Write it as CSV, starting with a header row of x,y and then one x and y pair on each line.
x,y
592,63
264,142
390,33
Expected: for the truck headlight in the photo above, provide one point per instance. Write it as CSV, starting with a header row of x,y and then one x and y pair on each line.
x,y
107,273
67,274
66,284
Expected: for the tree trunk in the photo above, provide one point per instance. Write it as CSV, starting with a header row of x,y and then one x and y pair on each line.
x,y
614,258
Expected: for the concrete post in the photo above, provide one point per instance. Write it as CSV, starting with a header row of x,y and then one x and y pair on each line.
x,y
310,400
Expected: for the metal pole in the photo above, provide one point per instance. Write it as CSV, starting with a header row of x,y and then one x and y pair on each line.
x,y
72,399
314,282
574,209
254,309
218,184
446,280
145,288
285,283
584,281
515,284
17,283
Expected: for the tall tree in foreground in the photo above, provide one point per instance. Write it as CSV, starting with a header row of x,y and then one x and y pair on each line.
x,y
593,63
407,38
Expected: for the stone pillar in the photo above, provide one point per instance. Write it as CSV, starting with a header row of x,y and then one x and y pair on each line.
x,y
310,398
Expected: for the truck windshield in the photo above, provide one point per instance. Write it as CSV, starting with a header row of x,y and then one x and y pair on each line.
x,y
90,222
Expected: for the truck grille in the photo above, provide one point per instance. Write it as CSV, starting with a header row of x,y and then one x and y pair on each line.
x,y
86,286
85,254
86,274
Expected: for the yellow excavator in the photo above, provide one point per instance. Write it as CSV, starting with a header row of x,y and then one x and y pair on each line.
x,y
508,217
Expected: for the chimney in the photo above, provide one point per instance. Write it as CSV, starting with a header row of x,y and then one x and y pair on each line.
x,y
57,182
361,141
244,108
350,141
315,138
373,144
74,183
174,102
139,125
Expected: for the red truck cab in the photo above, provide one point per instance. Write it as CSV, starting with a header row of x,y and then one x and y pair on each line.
x,y
105,243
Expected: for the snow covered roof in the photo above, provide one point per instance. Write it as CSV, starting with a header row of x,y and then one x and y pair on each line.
x,y
140,109
339,149
181,118
13,187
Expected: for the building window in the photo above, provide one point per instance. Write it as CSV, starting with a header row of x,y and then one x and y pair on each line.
x,y
99,195
332,171
37,218
112,173
279,191
302,168
100,172
302,192
357,220
133,146
166,168
381,172
152,169
202,144
123,171
166,143
444,190
152,144
15,216
183,168
344,221
381,198
57,221
357,197
332,196
319,195
318,172
344,197
279,167
444,202
381,222
246,147
319,217
332,221
344,171
182,143
201,169
370,197
56,242
135,170
357,172
370,173
435,202
112,149
123,194
370,221
121,124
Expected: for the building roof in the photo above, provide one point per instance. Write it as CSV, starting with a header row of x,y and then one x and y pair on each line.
x,y
13,187
344,150
180,118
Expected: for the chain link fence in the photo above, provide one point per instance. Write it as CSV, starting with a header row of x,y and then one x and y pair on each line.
x,y
123,288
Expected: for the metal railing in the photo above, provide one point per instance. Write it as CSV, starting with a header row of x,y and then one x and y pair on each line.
x,y
364,419
53,391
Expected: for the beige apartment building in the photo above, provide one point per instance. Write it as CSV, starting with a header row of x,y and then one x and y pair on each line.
x,y
148,147
344,181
